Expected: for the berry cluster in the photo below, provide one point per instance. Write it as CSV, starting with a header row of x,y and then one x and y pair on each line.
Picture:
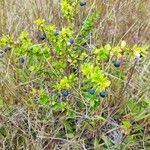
x,y
102,93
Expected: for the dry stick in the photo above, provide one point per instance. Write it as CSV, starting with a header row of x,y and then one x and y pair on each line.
x,y
87,16
14,124
124,88
54,138
142,92
132,26
107,15
130,77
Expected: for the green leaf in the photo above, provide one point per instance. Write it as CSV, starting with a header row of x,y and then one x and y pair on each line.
x,y
71,114
44,100
24,35
108,47
63,84
32,68
133,107
102,54
3,131
95,75
126,124
39,21
1,103
70,135
96,144
60,106
123,44
141,116
67,126
147,101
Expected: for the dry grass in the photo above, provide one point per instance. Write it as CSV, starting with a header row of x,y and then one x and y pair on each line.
x,y
23,125
119,19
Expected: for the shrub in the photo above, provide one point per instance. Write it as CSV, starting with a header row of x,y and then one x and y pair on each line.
x,y
46,89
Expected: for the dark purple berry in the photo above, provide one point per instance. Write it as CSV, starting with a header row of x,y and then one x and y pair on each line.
x,y
82,3
56,33
117,63
42,36
7,48
22,59
103,94
141,55
65,93
91,91
70,41
1,53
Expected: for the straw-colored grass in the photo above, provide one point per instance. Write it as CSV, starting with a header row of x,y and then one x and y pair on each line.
x,y
25,126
